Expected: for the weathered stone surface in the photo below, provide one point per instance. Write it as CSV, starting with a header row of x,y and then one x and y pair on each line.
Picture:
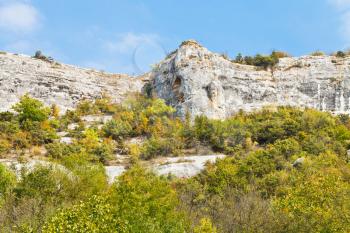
x,y
114,171
59,84
196,80
184,166
190,79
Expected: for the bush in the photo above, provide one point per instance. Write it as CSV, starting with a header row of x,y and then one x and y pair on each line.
x,y
206,226
30,109
138,202
316,198
340,54
155,147
117,129
41,132
91,178
279,54
79,218
38,193
39,55
317,53
264,61
7,181
5,146
261,61
104,151
86,107
7,116
147,203
58,150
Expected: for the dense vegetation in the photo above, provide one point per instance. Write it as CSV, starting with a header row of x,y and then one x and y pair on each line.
x,y
264,61
286,170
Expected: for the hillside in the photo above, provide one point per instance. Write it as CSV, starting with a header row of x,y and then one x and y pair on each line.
x,y
196,80
60,84
190,79
86,151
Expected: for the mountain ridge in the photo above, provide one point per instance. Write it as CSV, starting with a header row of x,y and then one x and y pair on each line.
x,y
191,79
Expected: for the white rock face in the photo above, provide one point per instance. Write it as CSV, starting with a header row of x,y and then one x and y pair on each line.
x,y
196,80
184,166
96,118
191,79
114,171
59,84
30,165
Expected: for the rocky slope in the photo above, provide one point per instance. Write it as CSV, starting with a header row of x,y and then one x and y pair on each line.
x,y
190,79
196,80
60,84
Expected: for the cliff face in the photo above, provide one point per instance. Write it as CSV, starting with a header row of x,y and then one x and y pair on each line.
x,y
191,79
196,80
59,84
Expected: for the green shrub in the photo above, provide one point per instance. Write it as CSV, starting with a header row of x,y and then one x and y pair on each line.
x,y
39,55
104,151
317,53
86,107
316,198
138,202
117,129
340,54
261,61
58,150
206,226
7,116
5,146
79,218
30,109
7,181
147,203
155,147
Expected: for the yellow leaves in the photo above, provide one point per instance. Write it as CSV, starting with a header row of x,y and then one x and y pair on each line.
x,y
142,126
37,150
135,152
55,111
125,116
45,125
158,107
205,226
318,193
5,146
90,139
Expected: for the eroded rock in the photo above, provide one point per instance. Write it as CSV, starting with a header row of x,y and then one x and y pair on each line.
x,y
59,84
196,80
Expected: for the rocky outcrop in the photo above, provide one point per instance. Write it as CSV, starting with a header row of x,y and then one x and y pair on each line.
x,y
196,80
191,79
60,84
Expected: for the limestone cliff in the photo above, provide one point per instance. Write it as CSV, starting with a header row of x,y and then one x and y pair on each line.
x,y
60,84
190,79
196,80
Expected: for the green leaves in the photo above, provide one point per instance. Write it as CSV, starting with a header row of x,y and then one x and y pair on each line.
x,y
94,215
318,198
138,202
30,109
7,181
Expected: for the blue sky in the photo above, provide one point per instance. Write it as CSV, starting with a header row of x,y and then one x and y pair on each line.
x,y
129,36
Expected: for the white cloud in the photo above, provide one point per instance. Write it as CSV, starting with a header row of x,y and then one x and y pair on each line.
x,y
343,8
345,26
18,16
128,42
340,4
131,53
